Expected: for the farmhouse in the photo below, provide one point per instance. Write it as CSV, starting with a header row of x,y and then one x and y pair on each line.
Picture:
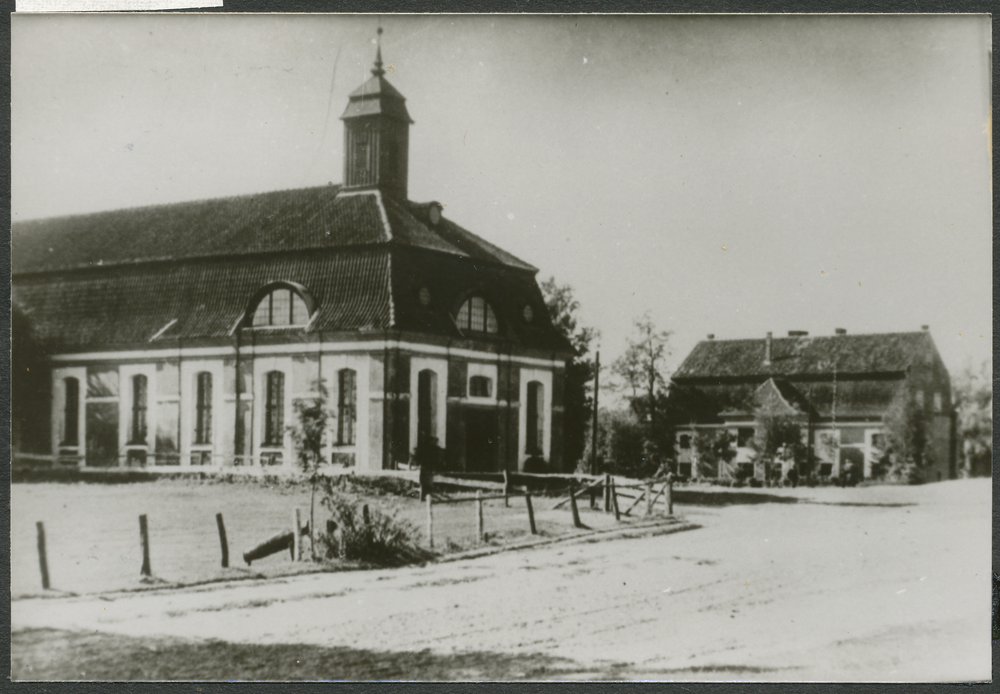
x,y
181,335
838,388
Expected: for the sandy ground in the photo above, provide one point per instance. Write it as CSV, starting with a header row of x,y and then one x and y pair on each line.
x,y
874,584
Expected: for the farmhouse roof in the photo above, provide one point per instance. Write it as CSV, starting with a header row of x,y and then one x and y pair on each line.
x,y
808,356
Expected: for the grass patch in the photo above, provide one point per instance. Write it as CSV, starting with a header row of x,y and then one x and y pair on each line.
x,y
49,654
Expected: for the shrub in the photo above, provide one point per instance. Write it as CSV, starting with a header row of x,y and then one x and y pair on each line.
x,y
382,539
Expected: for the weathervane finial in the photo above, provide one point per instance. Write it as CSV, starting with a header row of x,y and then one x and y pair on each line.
x,y
377,70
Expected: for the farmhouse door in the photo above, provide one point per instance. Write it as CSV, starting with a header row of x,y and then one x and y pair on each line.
x,y
480,440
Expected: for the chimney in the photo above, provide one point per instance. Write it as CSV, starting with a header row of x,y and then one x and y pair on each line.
x,y
711,336
767,350
840,331
925,328
798,333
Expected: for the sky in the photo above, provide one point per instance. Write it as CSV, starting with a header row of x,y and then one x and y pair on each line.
x,y
728,175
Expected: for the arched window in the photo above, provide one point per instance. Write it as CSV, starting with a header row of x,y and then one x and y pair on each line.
x,y
477,315
281,307
426,405
480,387
347,405
274,410
536,421
71,412
203,409
138,409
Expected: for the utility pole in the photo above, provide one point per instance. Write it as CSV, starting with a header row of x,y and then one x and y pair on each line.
x,y
593,432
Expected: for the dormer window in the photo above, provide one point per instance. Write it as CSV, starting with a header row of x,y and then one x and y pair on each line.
x,y
282,306
476,315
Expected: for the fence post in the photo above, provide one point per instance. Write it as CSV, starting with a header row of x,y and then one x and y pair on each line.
x,y
506,489
366,515
614,500
649,498
296,536
607,492
144,538
43,561
479,516
572,503
222,540
531,513
430,522
670,498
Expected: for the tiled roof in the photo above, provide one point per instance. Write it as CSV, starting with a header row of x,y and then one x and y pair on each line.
x,y
267,223
132,304
798,356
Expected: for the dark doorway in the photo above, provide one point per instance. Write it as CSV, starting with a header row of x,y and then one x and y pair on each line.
x,y
480,440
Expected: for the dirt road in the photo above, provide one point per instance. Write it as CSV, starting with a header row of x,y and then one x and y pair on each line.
x,y
883,583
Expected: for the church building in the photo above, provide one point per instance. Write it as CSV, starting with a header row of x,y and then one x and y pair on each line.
x,y
181,335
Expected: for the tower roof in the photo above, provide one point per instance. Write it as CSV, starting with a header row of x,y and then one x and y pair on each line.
x,y
376,96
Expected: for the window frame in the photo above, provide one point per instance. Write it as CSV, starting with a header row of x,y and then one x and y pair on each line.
x,y
139,430
486,316
203,409
347,407
71,412
297,296
274,409
479,379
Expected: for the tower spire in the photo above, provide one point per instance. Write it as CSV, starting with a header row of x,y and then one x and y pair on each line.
x,y
377,70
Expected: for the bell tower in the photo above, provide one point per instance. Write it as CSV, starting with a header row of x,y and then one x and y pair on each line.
x,y
377,135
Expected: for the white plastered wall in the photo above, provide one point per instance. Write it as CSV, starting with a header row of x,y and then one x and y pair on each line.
x,y
330,366
59,403
189,407
125,374
545,378
261,367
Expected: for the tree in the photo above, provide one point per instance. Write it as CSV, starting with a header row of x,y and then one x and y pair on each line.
x,y
905,431
777,439
621,444
641,370
972,396
713,450
309,436
577,398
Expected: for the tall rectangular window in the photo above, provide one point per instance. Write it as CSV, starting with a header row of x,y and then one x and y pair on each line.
x,y
71,412
203,409
426,405
274,409
347,400
536,421
138,409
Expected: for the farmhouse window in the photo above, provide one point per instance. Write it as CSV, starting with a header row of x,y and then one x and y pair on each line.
x,y
536,422
744,435
281,307
274,409
138,409
426,405
480,387
347,402
919,396
203,409
685,441
477,315
937,402
71,412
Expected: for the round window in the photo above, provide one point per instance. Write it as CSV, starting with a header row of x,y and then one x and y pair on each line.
x,y
425,296
528,313
434,213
